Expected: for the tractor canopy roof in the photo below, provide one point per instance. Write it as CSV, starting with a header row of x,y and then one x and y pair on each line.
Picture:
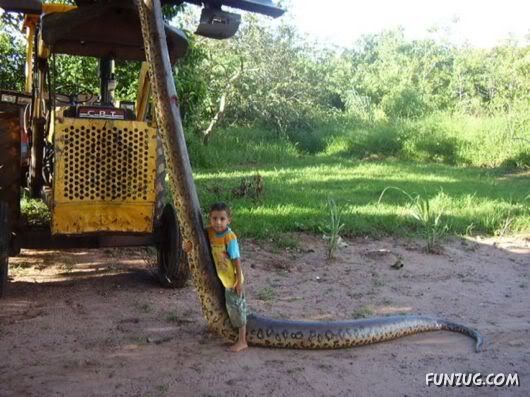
x,y
104,30
111,28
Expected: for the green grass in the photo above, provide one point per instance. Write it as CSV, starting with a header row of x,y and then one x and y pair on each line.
x,y
363,312
296,190
266,294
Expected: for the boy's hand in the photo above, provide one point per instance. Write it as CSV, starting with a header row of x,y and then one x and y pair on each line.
x,y
239,288
187,246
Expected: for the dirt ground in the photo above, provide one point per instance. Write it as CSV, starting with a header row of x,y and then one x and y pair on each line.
x,y
95,323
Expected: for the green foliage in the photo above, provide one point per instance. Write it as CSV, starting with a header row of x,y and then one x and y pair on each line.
x,y
307,140
404,103
428,140
266,294
407,78
127,74
333,229
360,107
429,217
279,87
35,212
379,140
363,312
485,141
412,78
76,75
489,81
12,59
240,147
441,138
194,77
267,78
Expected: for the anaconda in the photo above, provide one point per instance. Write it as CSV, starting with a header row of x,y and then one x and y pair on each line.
x,y
261,331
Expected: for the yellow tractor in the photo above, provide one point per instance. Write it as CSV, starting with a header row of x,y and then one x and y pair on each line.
x,y
96,162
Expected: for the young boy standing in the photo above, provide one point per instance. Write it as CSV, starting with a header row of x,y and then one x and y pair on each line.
x,y
225,252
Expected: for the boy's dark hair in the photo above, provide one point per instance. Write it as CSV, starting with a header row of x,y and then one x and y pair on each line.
x,y
220,206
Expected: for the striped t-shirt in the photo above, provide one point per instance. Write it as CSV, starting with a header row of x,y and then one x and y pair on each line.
x,y
224,250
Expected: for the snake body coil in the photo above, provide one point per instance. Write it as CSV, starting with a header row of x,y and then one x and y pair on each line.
x,y
261,331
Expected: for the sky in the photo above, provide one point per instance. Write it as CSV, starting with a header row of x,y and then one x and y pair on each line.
x,y
477,23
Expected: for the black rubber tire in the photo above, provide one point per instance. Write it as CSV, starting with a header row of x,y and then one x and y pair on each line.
x,y
173,269
5,239
10,167
160,182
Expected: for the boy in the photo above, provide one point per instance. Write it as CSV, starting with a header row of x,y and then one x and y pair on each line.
x,y
225,251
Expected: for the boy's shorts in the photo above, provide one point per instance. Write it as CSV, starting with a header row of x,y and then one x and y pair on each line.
x,y
237,309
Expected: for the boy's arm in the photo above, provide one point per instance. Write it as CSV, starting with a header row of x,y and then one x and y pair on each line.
x,y
232,249
239,276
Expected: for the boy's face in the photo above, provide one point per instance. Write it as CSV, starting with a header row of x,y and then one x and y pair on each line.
x,y
219,220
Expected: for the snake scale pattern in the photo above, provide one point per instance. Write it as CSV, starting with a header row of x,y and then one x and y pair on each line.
x,y
261,331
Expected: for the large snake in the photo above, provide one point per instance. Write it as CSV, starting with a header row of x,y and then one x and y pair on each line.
x,y
260,331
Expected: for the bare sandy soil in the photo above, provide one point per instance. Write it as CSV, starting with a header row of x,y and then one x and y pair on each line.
x,y
95,323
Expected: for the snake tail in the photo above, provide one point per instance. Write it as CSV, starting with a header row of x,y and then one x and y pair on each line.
x,y
342,334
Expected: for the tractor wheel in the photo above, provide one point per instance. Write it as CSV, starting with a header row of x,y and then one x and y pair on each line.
x,y
173,268
5,237
160,182
10,168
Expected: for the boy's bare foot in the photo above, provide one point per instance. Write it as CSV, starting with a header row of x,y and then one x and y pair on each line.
x,y
237,347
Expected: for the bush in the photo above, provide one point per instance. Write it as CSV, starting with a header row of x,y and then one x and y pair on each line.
x,y
520,160
379,140
322,128
360,107
491,141
307,140
486,141
404,103
239,146
430,141
436,148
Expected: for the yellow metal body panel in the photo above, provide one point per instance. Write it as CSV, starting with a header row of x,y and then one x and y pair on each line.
x,y
30,36
50,8
31,19
104,179
143,93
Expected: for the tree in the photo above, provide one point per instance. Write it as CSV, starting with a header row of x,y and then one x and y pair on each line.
x,y
12,59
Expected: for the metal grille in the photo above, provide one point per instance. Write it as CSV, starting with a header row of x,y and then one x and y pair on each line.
x,y
103,162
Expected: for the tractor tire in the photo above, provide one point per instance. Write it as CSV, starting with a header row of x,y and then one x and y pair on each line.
x,y
5,239
10,167
162,195
173,269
